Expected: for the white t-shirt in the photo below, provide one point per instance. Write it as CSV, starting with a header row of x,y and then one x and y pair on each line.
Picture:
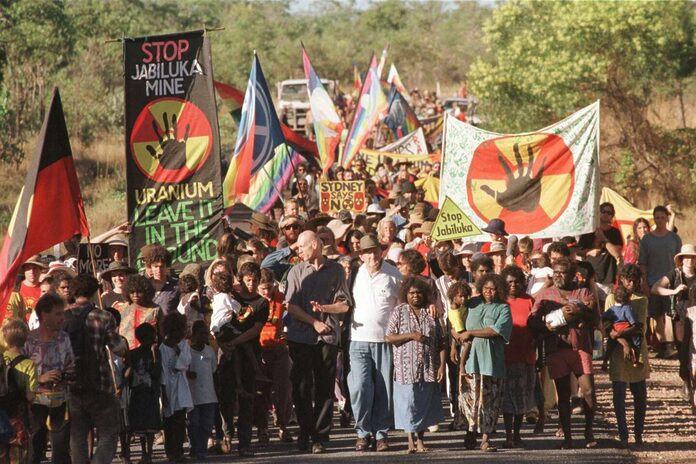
x,y
375,297
225,308
204,364
174,379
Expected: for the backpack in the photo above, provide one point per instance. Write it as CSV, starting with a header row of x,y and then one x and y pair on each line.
x,y
86,364
10,394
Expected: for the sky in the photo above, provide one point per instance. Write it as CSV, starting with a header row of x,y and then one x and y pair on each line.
x,y
304,5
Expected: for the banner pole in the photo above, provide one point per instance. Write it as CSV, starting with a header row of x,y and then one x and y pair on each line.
x,y
94,268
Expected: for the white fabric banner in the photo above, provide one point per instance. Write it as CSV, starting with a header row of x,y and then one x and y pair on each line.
x,y
542,184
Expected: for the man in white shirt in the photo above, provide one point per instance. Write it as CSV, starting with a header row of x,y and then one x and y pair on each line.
x,y
375,291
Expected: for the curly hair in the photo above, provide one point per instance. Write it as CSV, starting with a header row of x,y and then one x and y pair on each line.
x,y
47,303
414,260
85,285
622,294
501,291
249,269
458,288
421,284
137,283
514,271
221,282
156,253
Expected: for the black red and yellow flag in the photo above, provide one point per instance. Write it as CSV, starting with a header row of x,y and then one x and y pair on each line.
x,y
49,209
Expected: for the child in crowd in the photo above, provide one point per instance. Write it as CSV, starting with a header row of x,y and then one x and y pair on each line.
x,y
175,353
540,272
458,294
203,365
224,325
190,301
145,374
22,382
276,362
618,318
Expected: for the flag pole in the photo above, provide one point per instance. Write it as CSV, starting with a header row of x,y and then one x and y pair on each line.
x,y
93,262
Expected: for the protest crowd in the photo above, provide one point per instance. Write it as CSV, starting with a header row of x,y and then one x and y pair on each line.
x,y
360,315
337,303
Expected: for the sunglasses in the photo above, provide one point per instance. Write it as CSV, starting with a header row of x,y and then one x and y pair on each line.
x,y
292,226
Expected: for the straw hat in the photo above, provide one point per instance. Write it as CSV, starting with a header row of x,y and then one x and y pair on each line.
x,y
686,250
339,229
426,228
36,261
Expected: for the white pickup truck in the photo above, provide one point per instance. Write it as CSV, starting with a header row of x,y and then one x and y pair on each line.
x,y
293,101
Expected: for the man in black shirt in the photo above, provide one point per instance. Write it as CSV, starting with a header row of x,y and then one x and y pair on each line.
x,y
602,249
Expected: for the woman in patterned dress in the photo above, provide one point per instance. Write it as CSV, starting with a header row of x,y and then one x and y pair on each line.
x,y
488,325
419,362
139,309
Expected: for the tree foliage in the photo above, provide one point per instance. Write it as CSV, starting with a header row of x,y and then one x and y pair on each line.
x,y
52,42
550,58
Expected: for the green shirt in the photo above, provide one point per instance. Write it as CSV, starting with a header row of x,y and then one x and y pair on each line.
x,y
487,356
25,373
621,370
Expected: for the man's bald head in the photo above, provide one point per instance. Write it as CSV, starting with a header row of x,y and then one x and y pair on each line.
x,y
308,245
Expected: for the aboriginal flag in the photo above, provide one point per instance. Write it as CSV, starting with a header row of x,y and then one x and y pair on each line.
x,y
49,209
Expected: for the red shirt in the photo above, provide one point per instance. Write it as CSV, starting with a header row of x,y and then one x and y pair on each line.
x,y
521,346
31,295
272,331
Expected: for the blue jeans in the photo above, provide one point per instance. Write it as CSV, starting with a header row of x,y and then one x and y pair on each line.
x,y
640,400
370,386
200,425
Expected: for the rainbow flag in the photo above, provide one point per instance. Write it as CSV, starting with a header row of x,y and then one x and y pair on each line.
x,y
259,137
369,107
394,79
233,98
327,124
266,185
401,119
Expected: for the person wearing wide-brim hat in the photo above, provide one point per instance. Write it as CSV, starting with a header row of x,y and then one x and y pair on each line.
x,y
118,247
375,293
30,288
262,227
115,275
497,232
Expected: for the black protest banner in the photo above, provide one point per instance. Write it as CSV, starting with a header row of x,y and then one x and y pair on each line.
x,y
100,251
172,147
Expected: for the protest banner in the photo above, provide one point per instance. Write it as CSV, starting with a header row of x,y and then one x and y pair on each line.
x,y
411,147
451,223
542,184
100,252
173,149
342,194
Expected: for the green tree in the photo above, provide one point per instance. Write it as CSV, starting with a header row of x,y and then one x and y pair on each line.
x,y
551,58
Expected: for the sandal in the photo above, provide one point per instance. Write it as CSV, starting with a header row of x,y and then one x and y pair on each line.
x,y
488,447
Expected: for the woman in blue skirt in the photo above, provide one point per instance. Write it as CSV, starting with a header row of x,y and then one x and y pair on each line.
x,y
419,360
